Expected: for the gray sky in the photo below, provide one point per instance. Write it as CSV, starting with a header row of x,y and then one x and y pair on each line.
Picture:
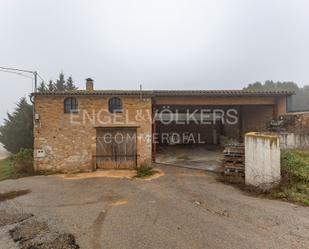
x,y
163,44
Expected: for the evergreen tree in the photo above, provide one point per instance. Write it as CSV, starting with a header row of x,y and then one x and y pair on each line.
x,y
42,87
60,83
16,133
270,85
51,86
297,102
255,86
70,84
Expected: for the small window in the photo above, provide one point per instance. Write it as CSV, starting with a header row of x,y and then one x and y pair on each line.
x,y
70,105
114,105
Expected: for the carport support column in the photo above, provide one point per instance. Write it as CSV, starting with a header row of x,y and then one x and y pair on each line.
x,y
153,134
240,125
262,160
275,109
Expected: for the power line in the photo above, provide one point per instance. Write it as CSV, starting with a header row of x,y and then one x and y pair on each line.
x,y
44,81
21,74
16,70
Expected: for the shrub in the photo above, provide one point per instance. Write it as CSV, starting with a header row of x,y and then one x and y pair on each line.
x,y
144,171
23,161
294,185
295,166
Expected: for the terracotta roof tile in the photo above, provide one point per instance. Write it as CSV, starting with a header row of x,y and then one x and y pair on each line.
x,y
159,93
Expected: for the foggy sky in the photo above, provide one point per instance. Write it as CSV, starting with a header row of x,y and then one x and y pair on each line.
x,y
162,44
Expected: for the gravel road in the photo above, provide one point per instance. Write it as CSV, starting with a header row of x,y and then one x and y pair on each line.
x,y
182,209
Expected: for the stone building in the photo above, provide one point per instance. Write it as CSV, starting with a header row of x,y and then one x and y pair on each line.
x,y
84,130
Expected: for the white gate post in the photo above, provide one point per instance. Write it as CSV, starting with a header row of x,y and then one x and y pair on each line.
x,y
262,159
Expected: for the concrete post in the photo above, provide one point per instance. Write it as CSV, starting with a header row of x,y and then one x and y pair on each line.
x,y
262,159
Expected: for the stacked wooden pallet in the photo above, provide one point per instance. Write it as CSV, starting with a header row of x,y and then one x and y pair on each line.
x,y
234,160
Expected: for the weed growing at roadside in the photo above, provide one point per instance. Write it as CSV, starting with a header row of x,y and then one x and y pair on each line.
x,y
145,170
294,185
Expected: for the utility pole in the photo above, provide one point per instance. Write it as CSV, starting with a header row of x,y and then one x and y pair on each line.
x,y
140,91
20,71
35,73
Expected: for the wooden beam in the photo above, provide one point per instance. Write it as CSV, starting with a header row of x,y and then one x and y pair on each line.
x,y
240,125
215,101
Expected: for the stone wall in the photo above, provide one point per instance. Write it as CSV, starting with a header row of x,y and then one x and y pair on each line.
x,y
68,141
294,140
262,159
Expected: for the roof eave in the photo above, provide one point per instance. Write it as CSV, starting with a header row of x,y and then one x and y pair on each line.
x,y
170,93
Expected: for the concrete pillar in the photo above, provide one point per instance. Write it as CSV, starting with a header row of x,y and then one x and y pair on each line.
x,y
262,159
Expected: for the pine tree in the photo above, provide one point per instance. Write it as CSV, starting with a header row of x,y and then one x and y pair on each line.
x,y
50,86
60,83
70,84
42,87
16,133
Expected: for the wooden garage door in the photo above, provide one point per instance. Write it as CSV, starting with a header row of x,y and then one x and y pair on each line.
x,y
116,148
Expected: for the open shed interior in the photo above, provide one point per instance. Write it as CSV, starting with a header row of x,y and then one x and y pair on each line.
x,y
194,135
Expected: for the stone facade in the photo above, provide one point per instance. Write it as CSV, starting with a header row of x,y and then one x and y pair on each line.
x,y
68,141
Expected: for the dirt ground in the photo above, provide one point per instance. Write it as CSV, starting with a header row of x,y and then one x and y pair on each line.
x,y
183,208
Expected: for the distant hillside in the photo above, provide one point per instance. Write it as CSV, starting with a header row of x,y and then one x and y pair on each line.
x,y
3,152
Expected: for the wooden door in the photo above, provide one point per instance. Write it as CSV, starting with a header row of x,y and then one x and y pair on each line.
x,y
116,148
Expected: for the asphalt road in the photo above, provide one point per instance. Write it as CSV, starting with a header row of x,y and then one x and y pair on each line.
x,y
182,209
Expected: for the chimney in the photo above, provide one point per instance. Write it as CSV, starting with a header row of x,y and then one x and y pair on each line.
x,y
89,84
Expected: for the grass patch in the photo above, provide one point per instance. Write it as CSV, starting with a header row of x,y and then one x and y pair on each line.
x,y
145,171
7,169
294,185
16,166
